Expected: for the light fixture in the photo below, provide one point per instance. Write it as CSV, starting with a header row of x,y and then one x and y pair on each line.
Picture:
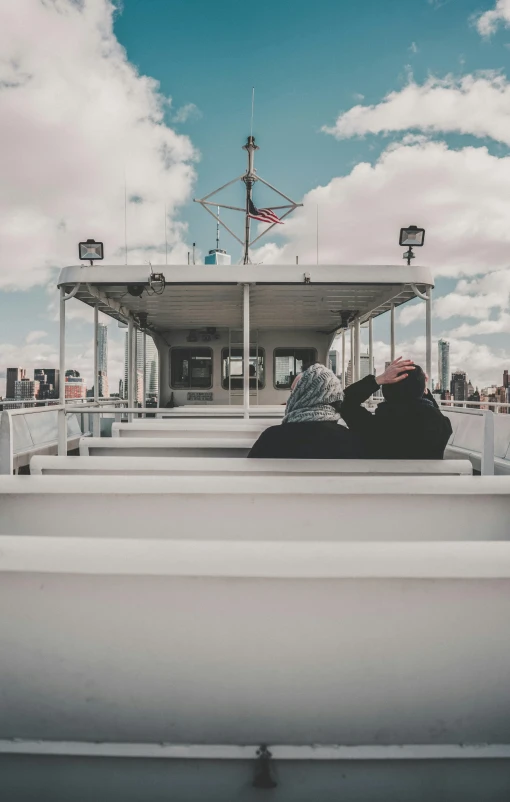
x,y
91,250
413,237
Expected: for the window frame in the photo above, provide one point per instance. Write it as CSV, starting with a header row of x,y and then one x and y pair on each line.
x,y
190,349
256,351
294,349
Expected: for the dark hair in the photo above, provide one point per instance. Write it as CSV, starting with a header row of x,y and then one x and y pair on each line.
x,y
407,390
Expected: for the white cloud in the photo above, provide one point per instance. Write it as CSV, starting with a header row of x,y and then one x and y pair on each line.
x,y
460,197
484,365
475,299
77,117
472,104
187,112
488,22
34,336
34,354
413,48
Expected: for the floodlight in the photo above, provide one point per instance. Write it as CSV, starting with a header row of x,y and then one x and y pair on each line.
x,y
412,235
91,250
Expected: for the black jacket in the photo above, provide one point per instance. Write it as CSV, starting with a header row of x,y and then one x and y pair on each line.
x,y
309,440
412,430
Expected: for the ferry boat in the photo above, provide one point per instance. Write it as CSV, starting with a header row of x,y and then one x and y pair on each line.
x,y
179,622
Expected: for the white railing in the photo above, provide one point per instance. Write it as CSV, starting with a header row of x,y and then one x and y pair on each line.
x,y
491,405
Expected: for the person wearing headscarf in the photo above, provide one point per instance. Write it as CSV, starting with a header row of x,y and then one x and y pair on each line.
x,y
310,428
408,424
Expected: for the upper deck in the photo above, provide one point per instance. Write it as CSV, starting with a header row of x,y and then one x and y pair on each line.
x,y
313,297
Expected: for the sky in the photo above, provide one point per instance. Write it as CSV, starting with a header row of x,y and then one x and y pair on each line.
x,y
374,115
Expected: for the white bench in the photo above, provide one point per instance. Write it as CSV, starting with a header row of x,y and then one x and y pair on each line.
x,y
196,446
188,427
223,411
51,466
185,613
467,440
24,433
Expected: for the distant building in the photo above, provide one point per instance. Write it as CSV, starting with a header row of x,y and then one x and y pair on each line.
x,y
13,375
151,366
75,386
46,388
102,348
443,349
25,390
458,386
364,368
104,389
217,257
505,379
334,362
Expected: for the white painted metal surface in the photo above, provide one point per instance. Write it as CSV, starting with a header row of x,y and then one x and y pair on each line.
x,y
189,428
252,560
25,432
191,446
49,466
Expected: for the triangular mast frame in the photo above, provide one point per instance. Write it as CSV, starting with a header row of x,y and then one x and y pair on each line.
x,y
248,178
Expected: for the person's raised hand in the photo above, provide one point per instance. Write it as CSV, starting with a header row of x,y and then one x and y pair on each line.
x,y
396,372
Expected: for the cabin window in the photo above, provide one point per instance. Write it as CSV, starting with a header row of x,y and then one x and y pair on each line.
x,y
288,362
233,368
191,368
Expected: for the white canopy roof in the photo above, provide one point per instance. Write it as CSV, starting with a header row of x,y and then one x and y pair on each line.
x,y
280,295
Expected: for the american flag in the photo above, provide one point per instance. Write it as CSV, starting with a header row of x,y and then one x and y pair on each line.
x,y
264,215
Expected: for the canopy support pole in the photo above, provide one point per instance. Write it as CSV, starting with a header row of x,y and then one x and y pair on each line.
x,y
144,381
352,352
130,368
62,423
343,360
428,332
96,422
392,325
371,368
357,337
246,349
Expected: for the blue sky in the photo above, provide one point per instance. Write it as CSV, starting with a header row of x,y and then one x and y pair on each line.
x,y
415,90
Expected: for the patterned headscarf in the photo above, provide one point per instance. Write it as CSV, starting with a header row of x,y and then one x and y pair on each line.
x,y
312,396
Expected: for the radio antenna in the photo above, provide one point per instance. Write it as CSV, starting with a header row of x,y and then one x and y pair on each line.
x,y
125,213
218,230
252,108
166,241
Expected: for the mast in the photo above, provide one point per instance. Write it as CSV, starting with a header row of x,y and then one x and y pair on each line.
x,y
249,178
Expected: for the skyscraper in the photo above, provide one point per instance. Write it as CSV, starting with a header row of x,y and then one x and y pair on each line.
x,y
334,362
13,375
443,352
458,386
364,368
102,348
151,366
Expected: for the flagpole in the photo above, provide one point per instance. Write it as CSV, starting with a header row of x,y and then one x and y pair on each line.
x,y
248,179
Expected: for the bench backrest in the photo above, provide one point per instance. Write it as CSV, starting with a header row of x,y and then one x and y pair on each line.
x,y
468,436
224,411
188,427
196,446
260,594
258,507
32,432
84,466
